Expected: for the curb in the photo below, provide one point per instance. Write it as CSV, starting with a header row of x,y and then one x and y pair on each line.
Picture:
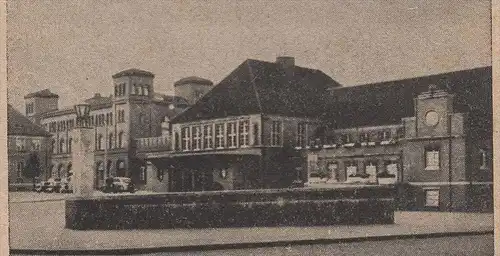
x,y
213,247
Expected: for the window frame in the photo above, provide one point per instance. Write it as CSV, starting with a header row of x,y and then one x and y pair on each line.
x,y
277,133
428,160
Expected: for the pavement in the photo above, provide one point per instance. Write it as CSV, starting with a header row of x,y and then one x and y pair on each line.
x,y
37,226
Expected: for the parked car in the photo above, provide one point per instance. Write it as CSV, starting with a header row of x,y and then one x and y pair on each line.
x,y
44,186
56,184
66,186
118,184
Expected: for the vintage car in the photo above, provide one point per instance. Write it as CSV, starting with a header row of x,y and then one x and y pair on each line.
x,y
44,186
118,184
66,186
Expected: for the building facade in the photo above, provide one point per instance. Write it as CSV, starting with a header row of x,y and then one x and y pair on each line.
x,y
271,124
25,142
133,111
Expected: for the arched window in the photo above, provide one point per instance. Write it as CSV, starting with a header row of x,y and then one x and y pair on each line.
x,y
61,146
120,168
108,168
53,147
70,141
69,172
99,142
120,140
110,140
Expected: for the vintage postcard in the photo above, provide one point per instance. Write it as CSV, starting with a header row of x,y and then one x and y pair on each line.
x,y
145,127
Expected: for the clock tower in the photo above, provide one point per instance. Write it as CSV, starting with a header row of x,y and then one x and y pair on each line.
x,y
433,109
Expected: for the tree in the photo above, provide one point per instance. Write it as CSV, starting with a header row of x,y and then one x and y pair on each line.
x,y
32,168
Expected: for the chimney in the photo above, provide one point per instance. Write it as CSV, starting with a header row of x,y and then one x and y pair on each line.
x,y
286,64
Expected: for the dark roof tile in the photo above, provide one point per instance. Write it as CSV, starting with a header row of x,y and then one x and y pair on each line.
x,y
18,124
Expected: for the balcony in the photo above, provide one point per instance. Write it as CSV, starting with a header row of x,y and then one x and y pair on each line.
x,y
162,143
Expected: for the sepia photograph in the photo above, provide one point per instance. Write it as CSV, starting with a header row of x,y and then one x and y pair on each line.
x,y
149,127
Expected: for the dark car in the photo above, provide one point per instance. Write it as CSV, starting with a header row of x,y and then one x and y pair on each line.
x,y
44,186
118,184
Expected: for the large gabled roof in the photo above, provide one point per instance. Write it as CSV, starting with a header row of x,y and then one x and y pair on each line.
x,y
18,124
388,102
262,87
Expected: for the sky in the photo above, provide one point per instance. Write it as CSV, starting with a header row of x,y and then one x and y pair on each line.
x,y
73,47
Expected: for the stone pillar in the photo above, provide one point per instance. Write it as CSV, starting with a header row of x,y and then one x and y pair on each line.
x,y
83,161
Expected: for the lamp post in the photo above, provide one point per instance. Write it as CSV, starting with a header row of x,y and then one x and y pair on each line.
x,y
82,153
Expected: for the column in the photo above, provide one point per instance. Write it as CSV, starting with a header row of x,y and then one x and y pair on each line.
x,y
83,161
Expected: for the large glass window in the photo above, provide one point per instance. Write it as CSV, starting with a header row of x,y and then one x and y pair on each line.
x,y
186,138
231,134
207,136
219,136
196,138
276,134
243,133
301,135
432,159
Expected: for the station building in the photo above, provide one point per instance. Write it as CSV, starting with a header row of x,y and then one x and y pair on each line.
x,y
276,124
133,111
272,124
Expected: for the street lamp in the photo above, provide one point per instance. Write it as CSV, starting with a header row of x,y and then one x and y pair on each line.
x,y
82,115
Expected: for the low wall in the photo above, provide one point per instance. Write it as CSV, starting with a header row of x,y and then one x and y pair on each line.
x,y
248,208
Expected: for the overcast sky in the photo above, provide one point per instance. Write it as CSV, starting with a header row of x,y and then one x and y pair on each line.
x,y
73,47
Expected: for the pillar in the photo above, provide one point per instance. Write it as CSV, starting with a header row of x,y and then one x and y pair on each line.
x,y
83,161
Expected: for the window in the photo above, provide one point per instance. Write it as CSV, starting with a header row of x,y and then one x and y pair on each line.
x,y
432,198
121,116
146,90
196,138
256,134
482,159
231,135
276,133
110,140
53,147
20,167
351,169
391,167
301,135
365,137
371,169
120,140
346,138
243,133
219,136
20,144
384,135
432,159
99,142
36,144
143,90
111,118
142,119
142,174
29,108
136,90
61,146
70,141
207,136
186,138
312,163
